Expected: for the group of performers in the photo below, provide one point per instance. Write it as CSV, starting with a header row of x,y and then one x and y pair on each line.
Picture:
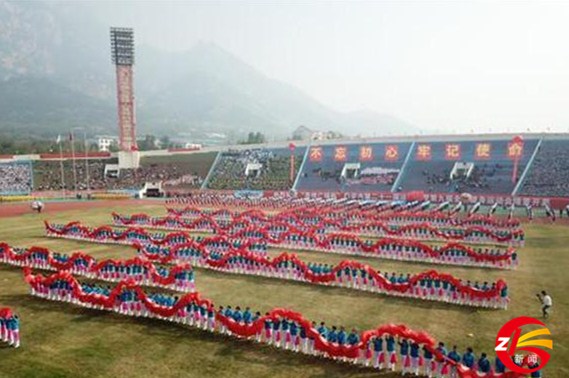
x,y
9,327
402,250
381,351
175,277
487,234
429,285
244,251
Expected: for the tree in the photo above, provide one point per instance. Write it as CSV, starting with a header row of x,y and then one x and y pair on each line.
x,y
165,141
148,143
254,138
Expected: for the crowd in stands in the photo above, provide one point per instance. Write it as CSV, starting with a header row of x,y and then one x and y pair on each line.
x,y
549,172
47,175
170,176
274,174
15,178
480,180
177,173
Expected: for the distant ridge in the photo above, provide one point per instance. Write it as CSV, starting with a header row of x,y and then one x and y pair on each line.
x,y
53,79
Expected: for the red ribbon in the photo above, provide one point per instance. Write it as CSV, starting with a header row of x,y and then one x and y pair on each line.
x,y
320,241
296,224
95,234
343,211
247,330
92,265
309,275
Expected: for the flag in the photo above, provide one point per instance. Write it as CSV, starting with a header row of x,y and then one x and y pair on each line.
x,y
58,140
443,206
529,211
456,209
474,208
511,213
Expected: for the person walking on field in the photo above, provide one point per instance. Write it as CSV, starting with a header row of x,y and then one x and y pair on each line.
x,y
546,303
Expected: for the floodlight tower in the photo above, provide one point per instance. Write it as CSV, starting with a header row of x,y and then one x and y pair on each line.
x,y
122,53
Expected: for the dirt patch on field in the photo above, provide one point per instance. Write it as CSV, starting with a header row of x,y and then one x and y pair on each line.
x,y
17,209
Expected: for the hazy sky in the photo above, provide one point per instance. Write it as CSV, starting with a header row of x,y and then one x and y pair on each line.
x,y
440,65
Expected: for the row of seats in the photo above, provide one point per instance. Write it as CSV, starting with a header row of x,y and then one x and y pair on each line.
x,y
492,175
373,167
549,173
369,168
180,171
272,169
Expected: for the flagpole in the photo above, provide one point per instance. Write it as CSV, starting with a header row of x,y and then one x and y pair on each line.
x,y
72,140
61,165
86,160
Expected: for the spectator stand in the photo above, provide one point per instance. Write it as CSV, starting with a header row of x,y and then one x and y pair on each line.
x,y
527,168
16,178
548,175
354,167
211,170
255,169
431,165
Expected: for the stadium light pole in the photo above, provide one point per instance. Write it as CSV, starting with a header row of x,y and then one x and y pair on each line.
x,y
122,56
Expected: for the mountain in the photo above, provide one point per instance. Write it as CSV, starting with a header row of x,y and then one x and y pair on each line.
x,y
40,106
211,88
55,72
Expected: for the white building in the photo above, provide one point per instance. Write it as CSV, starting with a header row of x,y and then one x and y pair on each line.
x,y
104,143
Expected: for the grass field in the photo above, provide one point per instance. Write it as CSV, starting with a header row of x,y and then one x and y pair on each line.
x,y
66,341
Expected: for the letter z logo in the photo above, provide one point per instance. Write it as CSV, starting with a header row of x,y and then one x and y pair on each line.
x,y
503,344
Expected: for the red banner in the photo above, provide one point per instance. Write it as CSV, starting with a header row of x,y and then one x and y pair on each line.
x,y
453,151
391,152
483,151
341,153
515,150
315,154
366,153
424,152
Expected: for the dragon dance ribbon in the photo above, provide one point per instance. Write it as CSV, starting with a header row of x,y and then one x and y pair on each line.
x,y
207,317
106,234
179,277
356,215
428,285
388,248
423,230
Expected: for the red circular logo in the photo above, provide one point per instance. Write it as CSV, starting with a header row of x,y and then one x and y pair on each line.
x,y
510,345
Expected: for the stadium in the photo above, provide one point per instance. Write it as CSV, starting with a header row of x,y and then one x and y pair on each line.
x,y
386,256
349,208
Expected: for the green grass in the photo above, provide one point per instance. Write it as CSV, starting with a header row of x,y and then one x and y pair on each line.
x,y
60,340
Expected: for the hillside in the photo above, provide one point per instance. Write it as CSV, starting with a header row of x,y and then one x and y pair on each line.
x,y
55,72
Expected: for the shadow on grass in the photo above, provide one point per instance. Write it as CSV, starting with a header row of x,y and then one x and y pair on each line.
x,y
333,291
375,259
238,349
